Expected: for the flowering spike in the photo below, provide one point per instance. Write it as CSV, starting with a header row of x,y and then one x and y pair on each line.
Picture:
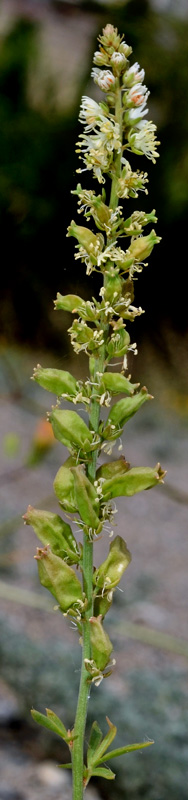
x,y
111,128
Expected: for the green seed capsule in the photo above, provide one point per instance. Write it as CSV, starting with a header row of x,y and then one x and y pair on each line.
x,y
112,468
86,239
100,643
102,604
56,380
52,530
60,579
108,575
64,489
116,383
71,430
136,480
122,411
113,287
141,247
69,302
86,498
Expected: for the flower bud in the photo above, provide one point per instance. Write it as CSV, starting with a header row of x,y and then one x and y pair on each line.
x,y
101,59
71,430
118,62
104,78
110,38
52,530
108,575
125,49
135,480
116,383
100,643
125,408
86,498
65,490
60,579
133,75
141,247
56,380
69,302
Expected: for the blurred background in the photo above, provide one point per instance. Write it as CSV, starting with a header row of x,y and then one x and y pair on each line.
x,y
46,50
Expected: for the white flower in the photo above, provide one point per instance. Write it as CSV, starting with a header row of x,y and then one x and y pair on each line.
x,y
104,78
142,140
90,113
138,94
134,74
118,61
133,115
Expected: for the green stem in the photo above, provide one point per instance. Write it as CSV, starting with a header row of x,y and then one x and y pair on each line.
x,y
81,712
114,199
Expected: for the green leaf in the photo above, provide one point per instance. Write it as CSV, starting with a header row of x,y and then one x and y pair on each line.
x,y
122,750
51,721
103,746
103,772
94,741
65,766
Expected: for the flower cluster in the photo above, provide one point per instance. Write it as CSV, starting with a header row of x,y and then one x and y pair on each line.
x,y
101,140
